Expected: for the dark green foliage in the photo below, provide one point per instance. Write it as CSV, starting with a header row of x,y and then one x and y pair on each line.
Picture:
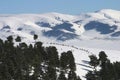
x,y
108,71
104,63
67,64
102,58
51,73
78,78
72,75
67,61
53,59
116,68
93,75
18,39
62,76
34,62
93,61
63,61
71,61
10,38
35,37
90,76
38,44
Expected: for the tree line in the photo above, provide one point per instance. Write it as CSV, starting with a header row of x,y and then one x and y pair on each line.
x,y
34,62
107,71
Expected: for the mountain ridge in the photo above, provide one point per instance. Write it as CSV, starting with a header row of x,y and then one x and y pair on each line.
x,y
67,27
82,34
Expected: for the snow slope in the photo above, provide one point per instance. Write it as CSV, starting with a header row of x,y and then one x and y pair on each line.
x,y
84,34
103,23
81,55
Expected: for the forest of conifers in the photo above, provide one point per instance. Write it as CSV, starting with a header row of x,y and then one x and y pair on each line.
x,y
36,62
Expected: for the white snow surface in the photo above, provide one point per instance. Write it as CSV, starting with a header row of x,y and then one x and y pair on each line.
x,y
27,22
87,42
81,55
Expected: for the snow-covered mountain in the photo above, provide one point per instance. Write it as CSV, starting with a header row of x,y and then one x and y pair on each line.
x,y
101,24
90,32
82,54
100,27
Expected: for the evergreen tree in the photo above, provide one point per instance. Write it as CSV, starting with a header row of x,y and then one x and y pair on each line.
x,y
116,67
90,76
78,78
94,74
62,76
28,62
53,59
10,38
93,61
72,75
35,37
102,58
108,71
71,59
104,68
51,73
18,39
64,61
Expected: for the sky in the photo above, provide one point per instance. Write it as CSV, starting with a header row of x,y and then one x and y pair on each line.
x,y
60,6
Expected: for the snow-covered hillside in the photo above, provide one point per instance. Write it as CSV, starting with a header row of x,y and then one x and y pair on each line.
x,y
84,34
104,23
100,29
81,55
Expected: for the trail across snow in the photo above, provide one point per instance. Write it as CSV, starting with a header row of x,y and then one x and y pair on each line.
x,y
82,56
81,39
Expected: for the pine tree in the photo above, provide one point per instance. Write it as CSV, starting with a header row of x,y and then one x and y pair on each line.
x,y
93,74
102,58
10,38
116,67
78,78
72,75
18,62
53,58
64,61
71,59
62,76
90,76
51,73
18,39
1,49
35,37
103,63
93,61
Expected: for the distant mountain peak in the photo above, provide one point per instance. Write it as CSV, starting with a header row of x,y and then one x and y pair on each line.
x,y
63,26
108,10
